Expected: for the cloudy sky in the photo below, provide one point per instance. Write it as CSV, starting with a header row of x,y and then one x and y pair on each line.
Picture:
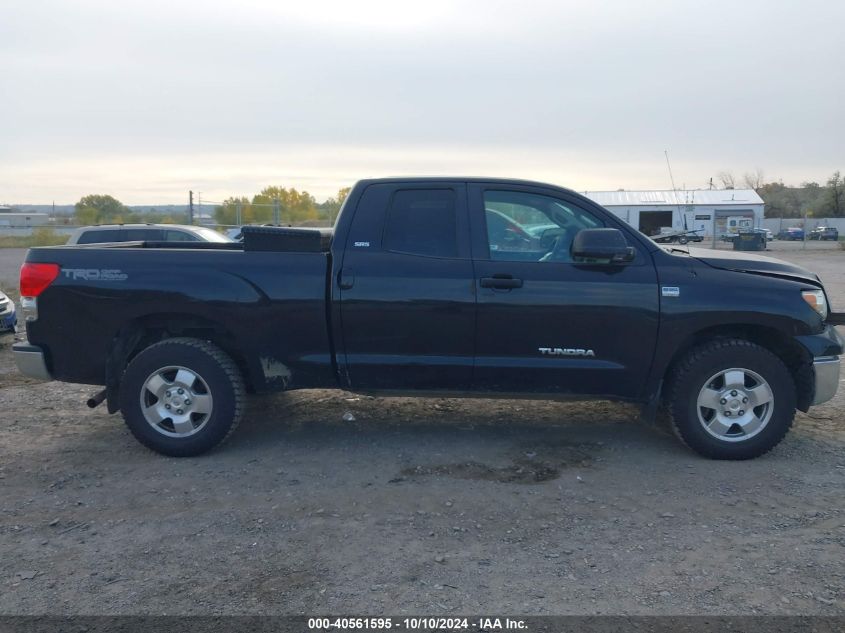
x,y
145,99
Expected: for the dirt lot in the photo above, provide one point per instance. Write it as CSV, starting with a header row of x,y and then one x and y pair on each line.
x,y
418,506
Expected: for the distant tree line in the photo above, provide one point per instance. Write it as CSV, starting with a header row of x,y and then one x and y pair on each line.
x,y
291,206
274,203
783,201
287,206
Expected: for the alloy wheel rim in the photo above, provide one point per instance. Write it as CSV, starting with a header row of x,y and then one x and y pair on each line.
x,y
176,401
735,405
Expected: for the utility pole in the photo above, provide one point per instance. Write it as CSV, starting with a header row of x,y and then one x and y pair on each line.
x,y
199,201
714,229
674,190
804,241
277,213
238,214
190,207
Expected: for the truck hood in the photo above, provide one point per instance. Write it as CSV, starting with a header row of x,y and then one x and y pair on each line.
x,y
755,264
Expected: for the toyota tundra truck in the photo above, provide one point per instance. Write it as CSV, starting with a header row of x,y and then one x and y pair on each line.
x,y
435,286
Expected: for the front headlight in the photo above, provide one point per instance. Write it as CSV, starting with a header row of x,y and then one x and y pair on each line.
x,y
817,301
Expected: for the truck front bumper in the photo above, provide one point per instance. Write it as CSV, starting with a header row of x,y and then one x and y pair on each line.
x,y
30,361
824,348
826,372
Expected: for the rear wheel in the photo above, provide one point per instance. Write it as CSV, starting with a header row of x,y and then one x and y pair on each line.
x,y
731,399
182,396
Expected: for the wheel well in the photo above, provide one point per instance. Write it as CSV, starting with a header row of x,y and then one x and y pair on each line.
x,y
145,331
793,355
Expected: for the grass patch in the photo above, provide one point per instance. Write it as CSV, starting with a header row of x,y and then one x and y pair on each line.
x,y
39,237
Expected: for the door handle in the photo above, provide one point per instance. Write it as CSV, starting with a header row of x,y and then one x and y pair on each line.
x,y
345,279
501,282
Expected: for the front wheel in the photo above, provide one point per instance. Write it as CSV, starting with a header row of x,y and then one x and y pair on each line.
x,y
182,397
731,399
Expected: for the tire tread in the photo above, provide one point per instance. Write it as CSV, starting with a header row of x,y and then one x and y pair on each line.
x,y
687,365
232,372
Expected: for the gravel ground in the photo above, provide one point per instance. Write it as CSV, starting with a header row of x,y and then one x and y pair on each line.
x,y
438,506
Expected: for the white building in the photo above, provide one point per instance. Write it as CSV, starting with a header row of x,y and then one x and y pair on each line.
x,y
708,210
8,217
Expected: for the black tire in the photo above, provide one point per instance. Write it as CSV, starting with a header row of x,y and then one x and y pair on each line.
x,y
690,376
219,378
683,240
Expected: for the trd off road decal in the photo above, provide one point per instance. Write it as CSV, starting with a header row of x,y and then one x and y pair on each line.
x,y
94,274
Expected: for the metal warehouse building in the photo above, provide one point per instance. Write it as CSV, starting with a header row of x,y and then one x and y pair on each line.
x,y
10,217
709,210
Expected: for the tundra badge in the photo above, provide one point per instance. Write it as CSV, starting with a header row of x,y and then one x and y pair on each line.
x,y
565,351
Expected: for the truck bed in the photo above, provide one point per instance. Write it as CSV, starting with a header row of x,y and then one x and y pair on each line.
x,y
251,299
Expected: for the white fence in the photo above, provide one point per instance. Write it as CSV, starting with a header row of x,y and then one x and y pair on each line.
x,y
777,224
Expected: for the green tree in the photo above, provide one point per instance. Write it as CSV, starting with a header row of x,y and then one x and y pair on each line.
x,y
781,201
86,216
329,209
99,209
294,206
227,213
832,203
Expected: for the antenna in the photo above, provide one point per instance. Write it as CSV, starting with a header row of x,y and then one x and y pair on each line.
x,y
671,178
674,191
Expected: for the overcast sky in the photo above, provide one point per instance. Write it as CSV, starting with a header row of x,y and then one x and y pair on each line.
x,y
147,99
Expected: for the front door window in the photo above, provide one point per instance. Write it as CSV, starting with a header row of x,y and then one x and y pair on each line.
x,y
529,227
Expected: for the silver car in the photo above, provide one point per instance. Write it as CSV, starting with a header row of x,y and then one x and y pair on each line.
x,y
105,233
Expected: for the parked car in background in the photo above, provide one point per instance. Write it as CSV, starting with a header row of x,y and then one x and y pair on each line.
x,y
107,233
793,233
824,233
8,314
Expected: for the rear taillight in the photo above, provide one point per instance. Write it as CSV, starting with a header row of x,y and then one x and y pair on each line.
x,y
36,277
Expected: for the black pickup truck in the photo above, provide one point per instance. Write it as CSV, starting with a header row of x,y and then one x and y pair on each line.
x,y
448,286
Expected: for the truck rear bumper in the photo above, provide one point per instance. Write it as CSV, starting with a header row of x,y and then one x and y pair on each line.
x,y
826,371
30,361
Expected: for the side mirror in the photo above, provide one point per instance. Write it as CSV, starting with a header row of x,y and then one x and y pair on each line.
x,y
605,245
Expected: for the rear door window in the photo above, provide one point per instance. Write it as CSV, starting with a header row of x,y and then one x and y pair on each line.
x,y
423,222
